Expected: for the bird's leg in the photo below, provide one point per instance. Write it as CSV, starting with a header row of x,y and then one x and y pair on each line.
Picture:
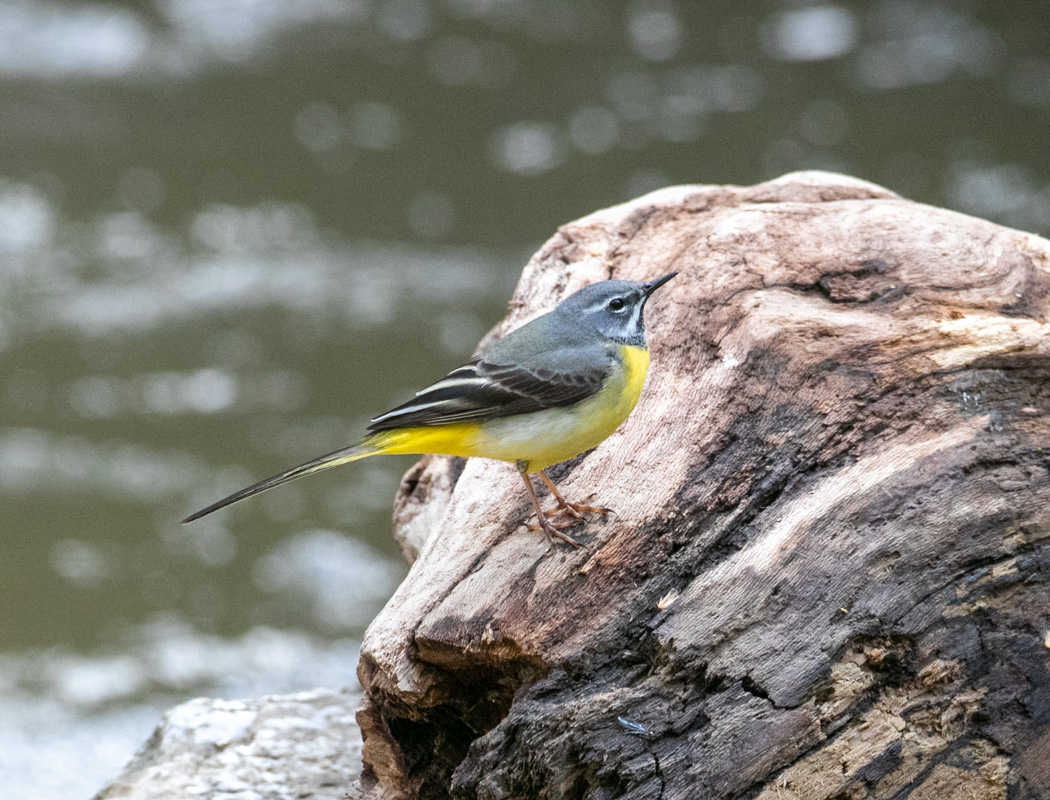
x,y
565,507
549,528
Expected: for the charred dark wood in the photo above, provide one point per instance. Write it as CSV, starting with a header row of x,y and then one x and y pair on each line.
x,y
828,572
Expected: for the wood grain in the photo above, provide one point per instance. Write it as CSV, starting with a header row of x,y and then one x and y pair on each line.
x,y
827,573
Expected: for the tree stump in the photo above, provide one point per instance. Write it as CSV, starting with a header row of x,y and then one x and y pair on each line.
x,y
827,574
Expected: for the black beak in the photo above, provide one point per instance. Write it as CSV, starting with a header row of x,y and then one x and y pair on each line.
x,y
652,286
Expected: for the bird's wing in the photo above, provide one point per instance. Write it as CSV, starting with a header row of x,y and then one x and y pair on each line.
x,y
485,389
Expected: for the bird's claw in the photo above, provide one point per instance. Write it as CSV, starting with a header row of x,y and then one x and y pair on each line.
x,y
577,510
556,524
552,530
552,526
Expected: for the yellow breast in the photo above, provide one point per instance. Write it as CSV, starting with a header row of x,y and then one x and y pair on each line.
x,y
541,438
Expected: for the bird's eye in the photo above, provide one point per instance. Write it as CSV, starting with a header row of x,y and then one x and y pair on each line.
x,y
617,304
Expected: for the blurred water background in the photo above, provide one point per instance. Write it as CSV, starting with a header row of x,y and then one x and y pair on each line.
x,y
232,230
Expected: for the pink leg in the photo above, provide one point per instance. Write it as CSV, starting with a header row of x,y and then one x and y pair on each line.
x,y
564,506
549,529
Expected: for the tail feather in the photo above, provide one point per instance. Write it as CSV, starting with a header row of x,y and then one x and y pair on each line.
x,y
334,459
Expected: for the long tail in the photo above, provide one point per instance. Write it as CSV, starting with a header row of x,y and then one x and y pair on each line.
x,y
367,447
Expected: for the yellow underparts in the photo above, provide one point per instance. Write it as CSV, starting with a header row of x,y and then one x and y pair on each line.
x,y
542,438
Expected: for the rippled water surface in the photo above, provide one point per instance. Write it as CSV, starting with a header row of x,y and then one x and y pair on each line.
x,y
232,230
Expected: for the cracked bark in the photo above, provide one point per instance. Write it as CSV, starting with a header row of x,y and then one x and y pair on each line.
x,y
827,575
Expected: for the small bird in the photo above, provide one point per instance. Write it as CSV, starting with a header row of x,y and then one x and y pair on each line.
x,y
553,388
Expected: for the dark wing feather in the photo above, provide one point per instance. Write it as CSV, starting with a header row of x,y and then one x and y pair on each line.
x,y
483,390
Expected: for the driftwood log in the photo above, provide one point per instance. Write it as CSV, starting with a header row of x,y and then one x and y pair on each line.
x,y
827,575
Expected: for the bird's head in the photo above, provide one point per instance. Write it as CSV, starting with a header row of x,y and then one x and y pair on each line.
x,y
613,308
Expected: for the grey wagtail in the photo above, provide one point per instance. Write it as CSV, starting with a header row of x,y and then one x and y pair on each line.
x,y
545,392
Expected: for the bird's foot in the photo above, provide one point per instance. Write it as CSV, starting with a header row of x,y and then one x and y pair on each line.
x,y
562,516
552,530
576,510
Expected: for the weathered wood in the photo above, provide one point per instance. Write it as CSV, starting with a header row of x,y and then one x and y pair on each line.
x,y
827,574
